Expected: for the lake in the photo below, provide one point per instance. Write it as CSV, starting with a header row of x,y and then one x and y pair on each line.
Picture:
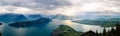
x,y
45,30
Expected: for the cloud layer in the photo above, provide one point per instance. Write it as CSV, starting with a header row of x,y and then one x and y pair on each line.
x,y
65,7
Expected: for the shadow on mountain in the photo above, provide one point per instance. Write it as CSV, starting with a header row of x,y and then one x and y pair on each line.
x,y
39,22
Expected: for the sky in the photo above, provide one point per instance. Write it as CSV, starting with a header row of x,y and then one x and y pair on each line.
x,y
65,7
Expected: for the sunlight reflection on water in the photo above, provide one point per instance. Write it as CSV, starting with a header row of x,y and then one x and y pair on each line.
x,y
84,27
48,28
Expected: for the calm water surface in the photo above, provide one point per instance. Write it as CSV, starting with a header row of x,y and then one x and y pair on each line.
x,y
45,30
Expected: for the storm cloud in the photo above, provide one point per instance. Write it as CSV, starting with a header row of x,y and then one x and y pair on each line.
x,y
65,7
44,4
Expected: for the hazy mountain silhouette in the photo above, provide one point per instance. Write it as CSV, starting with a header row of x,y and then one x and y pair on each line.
x,y
11,17
40,21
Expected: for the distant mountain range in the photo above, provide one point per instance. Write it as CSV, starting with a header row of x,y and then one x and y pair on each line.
x,y
99,18
98,15
34,16
102,22
61,17
10,17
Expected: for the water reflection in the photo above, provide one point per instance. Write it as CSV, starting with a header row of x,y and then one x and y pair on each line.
x,y
48,28
20,31
84,27
1,28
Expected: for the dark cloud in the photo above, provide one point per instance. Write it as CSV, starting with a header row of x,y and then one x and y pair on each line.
x,y
44,4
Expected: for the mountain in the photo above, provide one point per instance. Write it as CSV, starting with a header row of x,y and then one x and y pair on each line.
x,y
34,16
11,17
40,21
97,15
64,30
61,17
101,22
20,18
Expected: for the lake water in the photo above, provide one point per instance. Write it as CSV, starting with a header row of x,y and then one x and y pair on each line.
x,y
45,30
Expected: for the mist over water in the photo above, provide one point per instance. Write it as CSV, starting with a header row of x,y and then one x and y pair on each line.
x,y
47,29
61,12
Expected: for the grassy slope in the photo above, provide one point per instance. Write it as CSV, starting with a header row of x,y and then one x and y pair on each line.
x,y
68,31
